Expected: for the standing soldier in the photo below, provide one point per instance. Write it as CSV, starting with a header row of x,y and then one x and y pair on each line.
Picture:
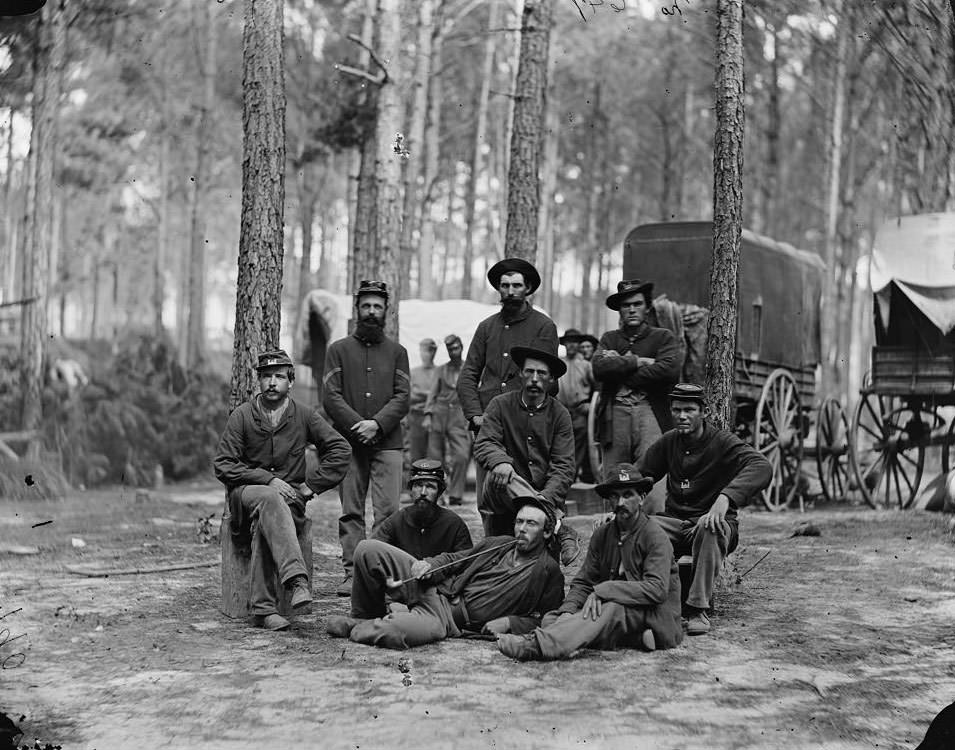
x,y
261,461
488,370
422,378
576,385
366,395
445,421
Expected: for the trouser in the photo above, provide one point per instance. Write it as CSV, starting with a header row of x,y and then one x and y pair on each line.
x,y
635,429
381,472
417,436
709,549
275,548
429,617
616,625
498,510
578,418
452,431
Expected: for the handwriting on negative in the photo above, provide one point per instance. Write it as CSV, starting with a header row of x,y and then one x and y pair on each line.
x,y
617,6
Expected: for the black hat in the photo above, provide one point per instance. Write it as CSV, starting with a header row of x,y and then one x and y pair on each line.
x,y
520,354
537,502
428,468
571,336
589,337
628,287
372,287
688,392
514,265
622,476
453,338
274,358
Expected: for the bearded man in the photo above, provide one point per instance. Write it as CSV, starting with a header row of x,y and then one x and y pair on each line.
x,y
367,393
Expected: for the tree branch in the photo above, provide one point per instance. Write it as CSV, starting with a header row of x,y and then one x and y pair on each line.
x,y
377,80
374,57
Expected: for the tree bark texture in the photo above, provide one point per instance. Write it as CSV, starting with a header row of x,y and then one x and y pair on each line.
x,y
38,224
8,258
431,147
523,189
307,197
548,181
258,310
196,326
363,220
727,212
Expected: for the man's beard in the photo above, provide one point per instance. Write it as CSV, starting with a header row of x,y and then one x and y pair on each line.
x,y
371,330
511,306
423,512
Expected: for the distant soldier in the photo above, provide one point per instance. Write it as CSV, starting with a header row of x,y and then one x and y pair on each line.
x,y
261,461
488,370
587,346
422,378
576,385
445,422
367,390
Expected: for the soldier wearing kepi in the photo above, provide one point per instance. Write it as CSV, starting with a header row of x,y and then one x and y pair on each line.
x,y
445,421
367,390
488,370
710,473
627,591
424,528
261,461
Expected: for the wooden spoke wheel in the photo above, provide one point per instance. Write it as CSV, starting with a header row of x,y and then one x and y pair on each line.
x,y
778,436
887,449
596,452
832,450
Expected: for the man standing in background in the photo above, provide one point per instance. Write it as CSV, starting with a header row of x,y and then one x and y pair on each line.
x,y
576,385
422,378
444,421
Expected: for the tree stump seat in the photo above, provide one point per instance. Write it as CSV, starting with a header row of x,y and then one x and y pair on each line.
x,y
236,570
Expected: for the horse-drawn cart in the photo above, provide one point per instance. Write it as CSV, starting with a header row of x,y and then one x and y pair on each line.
x,y
901,409
778,340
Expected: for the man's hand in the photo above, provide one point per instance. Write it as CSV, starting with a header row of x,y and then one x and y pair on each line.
x,y
366,430
591,608
500,475
498,626
305,491
286,490
420,568
715,518
426,423
646,361
475,423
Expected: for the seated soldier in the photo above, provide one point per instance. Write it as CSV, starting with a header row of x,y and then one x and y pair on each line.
x,y
710,473
501,585
627,591
424,528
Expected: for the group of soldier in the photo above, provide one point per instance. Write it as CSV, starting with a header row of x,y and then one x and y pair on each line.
x,y
419,578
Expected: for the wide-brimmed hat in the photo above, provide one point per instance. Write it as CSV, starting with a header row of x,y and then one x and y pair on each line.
x,y
370,286
626,288
589,337
688,392
428,468
621,477
520,354
571,336
514,265
273,358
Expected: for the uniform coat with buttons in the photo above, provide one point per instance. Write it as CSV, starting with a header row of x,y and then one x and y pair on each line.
x,y
488,370
538,443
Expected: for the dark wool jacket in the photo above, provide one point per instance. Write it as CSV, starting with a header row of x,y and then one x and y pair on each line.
x,y
544,592
538,443
488,370
447,533
655,380
698,471
367,381
651,578
251,452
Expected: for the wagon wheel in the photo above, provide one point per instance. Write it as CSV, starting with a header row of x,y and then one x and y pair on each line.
x,y
596,453
779,437
947,446
832,450
887,449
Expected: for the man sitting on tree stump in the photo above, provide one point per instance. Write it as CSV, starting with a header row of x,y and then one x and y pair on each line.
x,y
261,461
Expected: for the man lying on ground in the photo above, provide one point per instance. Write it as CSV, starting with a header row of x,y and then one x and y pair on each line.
x,y
502,585
627,592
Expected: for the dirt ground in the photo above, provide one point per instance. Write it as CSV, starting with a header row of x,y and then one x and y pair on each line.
x,y
838,641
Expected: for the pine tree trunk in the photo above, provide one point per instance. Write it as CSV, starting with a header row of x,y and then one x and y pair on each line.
x,y
548,179
8,268
306,201
258,310
432,149
196,327
771,178
480,137
38,224
523,188
727,212
362,239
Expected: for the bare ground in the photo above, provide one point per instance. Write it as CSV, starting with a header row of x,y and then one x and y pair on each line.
x,y
838,641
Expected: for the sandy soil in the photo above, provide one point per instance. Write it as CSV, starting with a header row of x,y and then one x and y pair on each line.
x,y
838,641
